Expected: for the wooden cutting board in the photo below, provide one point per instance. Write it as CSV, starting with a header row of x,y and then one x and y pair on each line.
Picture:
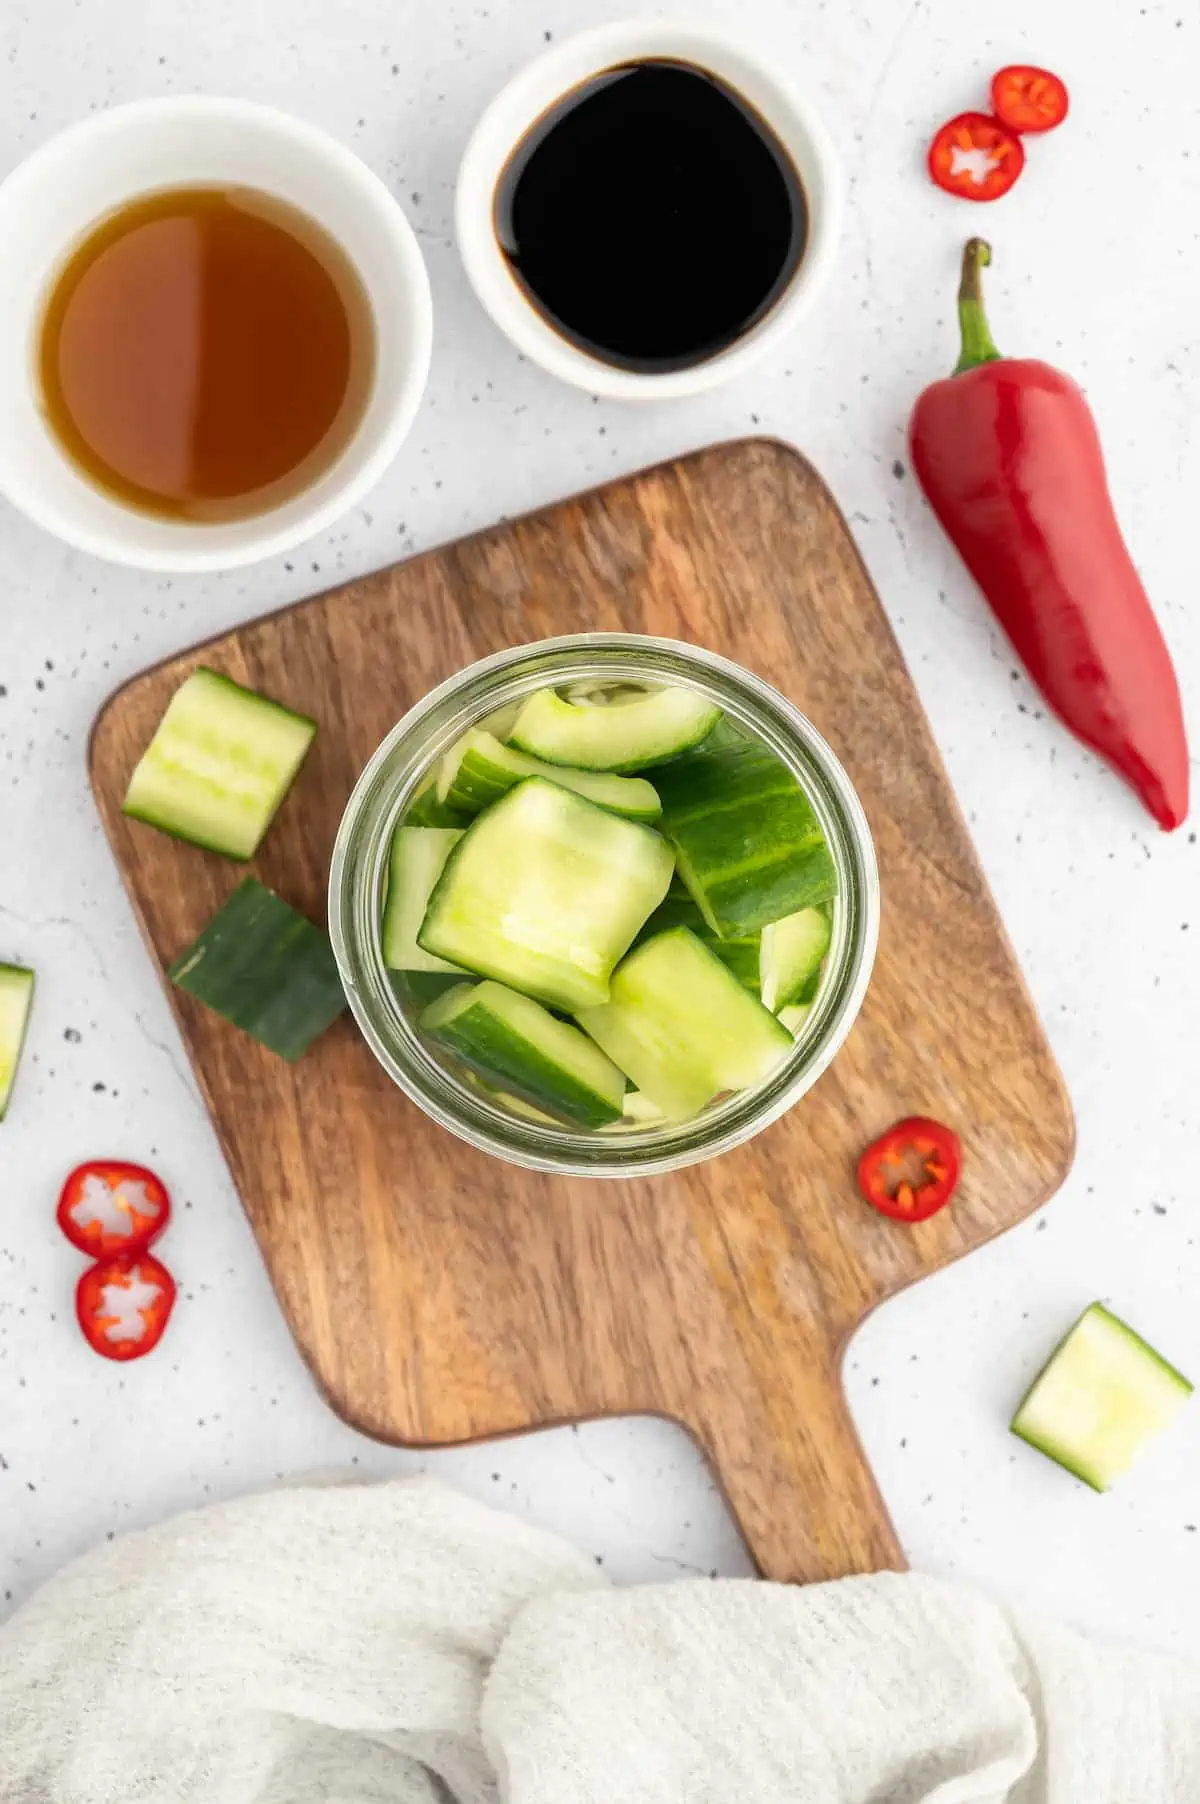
x,y
439,1295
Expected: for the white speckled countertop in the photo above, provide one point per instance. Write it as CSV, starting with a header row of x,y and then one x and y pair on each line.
x,y
1097,267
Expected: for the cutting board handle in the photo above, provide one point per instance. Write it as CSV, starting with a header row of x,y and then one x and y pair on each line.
x,y
795,1474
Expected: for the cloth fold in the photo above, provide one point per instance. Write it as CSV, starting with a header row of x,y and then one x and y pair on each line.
x,y
398,1644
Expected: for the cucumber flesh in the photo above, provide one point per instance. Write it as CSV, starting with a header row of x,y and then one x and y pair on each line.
x,y
16,1001
742,956
416,861
793,951
265,968
1100,1397
219,765
794,1017
679,1024
479,770
632,735
545,892
514,1043
748,844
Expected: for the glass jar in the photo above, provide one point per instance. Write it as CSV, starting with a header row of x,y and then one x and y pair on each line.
x,y
387,788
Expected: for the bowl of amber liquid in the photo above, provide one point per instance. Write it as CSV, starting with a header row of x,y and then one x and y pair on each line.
x,y
215,328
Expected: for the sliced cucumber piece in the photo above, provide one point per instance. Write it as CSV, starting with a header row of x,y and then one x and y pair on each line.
x,y
219,765
1101,1396
681,1026
545,892
639,1108
630,735
427,811
741,956
16,1001
416,861
792,954
516,1044
748,844
793,1018
479,770
267,969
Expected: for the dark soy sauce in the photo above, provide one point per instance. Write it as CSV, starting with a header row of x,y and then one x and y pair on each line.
x,y
652,216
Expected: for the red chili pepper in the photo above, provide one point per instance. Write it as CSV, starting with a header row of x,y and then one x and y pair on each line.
x,y
124,1303
108,1206
976,157
1028,99
1008,454
912,1171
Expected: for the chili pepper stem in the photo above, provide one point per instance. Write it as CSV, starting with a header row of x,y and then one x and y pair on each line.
x,y
977,343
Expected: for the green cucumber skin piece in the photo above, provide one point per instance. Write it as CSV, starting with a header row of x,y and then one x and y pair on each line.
x,y
793,951
545,892
632,736
200,804
416,860
17,985
748,844
427,811
518,1046
742,957
682,1028
1101,1367
479,770
264,967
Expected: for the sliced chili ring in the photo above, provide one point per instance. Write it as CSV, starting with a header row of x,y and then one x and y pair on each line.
x,y
912,1171
123,1304
1028,99
109,1206
976,157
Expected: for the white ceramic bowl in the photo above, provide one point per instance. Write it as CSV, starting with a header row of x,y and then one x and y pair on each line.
x,y
545,81
49,202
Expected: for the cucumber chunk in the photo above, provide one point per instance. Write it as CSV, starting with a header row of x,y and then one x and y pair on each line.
x,y
629,735
681,1026
749,846
516,1044
415,862
265,968
741,956
219,765
479,770
794,1017
793,951
16,1001
1101,1396
545,892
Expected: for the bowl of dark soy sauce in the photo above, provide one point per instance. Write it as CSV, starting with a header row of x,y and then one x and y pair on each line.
x,y
646,209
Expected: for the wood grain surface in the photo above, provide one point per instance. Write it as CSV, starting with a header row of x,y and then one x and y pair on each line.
x,y
439,1295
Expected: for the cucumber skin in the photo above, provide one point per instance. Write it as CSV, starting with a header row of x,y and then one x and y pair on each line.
x,y
427,811
720,810
485,1043
1052,1447
276,976
26,983
205,843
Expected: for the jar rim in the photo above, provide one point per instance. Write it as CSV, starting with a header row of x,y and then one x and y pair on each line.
x,y
399,768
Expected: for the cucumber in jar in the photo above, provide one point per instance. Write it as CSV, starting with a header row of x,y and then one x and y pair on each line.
x,y
545,892
519,1047
682,1028
626,735
747,840
479,770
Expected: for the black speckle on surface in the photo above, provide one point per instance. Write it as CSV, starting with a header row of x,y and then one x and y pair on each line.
x,y
1159,1208
72,1035
99,1086
898,471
